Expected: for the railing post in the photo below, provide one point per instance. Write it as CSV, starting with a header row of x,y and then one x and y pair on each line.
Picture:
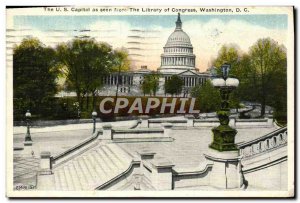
x,y
145,156
167,129
270,120
161,177
145,121
45,163
107,132
190,120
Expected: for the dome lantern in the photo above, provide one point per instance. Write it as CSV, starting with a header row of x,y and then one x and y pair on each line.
x,y
178,23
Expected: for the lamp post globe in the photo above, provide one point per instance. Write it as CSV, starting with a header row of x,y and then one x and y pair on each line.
x,y
28,114
94,114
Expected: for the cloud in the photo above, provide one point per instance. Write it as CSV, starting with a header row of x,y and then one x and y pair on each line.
x,y
207,38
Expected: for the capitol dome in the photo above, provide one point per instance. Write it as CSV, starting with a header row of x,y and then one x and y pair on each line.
x,y
178,37
178,52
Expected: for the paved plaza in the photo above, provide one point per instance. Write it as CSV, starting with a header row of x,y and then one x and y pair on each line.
x,y
186,151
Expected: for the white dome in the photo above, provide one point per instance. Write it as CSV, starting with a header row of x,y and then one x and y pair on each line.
x,y
178,37
178,53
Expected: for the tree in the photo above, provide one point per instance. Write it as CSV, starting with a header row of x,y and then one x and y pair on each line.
x,y
146,85
121,60
121,63
208,97
174,85
86,62
150,83
228,54
267,73
34,74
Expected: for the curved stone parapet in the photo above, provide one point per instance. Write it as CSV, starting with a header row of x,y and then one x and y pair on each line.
x,y
271,141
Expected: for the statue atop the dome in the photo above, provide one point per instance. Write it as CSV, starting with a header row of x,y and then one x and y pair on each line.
x,y
178,23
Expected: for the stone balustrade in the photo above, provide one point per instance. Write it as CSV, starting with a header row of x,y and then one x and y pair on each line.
x,y
190,121
110,133
268,142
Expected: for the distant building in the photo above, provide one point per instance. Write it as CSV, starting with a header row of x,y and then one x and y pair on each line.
x,y
178,59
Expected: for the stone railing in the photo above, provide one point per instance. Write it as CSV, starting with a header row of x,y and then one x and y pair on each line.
x,y
271,141
69,152
190,121
152,123
212,122
257,122
110,133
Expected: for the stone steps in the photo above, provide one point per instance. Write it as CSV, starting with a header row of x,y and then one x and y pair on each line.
x,y
92,168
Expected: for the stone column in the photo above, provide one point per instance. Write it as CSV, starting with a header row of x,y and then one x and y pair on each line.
x,y
161,177
45,163
226,171
107,132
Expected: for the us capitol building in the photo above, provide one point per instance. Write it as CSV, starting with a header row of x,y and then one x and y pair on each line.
x,y
178,59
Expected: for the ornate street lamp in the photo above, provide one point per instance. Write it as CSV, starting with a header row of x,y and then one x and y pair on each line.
x,y
94,116
224,135
28,136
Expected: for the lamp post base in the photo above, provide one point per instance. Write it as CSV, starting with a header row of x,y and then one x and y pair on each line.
x,y
226,171
28,148
223,139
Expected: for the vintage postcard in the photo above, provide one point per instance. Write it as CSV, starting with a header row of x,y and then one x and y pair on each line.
x,y
144,101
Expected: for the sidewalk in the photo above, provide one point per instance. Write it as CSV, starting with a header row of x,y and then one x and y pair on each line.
x,y
81,126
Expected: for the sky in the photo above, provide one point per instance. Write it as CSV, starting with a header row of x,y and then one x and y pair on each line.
x,y
145,35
